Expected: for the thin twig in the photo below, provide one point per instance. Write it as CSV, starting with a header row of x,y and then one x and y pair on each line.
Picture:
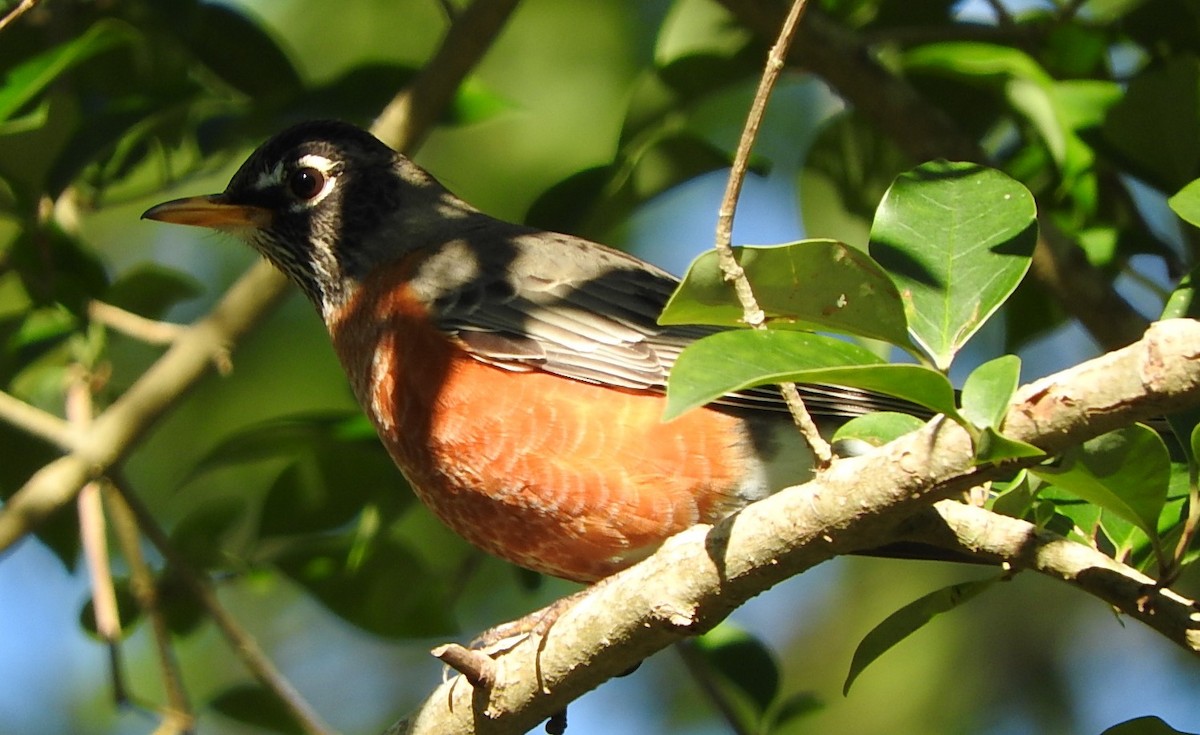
x,y
22,7
753,313
132,325
242,643
35,421
178,714
93,538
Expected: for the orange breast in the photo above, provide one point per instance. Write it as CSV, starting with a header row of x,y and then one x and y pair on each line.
x,y
564,477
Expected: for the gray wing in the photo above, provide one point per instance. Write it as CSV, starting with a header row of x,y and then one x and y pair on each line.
x,y
563,307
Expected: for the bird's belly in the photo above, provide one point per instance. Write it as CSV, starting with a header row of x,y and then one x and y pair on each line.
x,y
564,477
569,478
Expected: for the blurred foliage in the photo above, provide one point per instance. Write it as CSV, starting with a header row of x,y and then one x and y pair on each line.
x,y
272,482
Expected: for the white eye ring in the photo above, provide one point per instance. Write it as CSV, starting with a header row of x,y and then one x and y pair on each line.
x,y
310,180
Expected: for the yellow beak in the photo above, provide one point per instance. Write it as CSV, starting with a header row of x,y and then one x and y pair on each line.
x,y
211,211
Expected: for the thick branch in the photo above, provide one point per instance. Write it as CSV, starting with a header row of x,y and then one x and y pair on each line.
x,y
702,574
1003,539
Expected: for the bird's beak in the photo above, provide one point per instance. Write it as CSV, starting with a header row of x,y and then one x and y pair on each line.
x,y
212,211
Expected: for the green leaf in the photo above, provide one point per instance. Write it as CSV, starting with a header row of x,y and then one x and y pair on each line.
x,y
380,586
989,389
956,238
31,78
255,705
200,536
877,429
244,54
742,661
811,285
730,361
1126,472
475,102
329,484
1186,203
986,395
1154,124
909,619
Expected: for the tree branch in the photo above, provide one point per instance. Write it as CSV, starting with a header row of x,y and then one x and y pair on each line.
x,y
702,574
990,536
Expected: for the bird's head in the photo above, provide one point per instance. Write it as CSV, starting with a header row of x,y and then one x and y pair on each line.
x,y
325,202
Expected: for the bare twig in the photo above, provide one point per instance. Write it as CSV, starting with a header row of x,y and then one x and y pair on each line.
x,y
22,7
477,668
37,422
407,118
149,331
752,312
242,643
115,431
178,716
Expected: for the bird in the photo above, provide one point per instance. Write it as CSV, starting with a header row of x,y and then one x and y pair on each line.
x,y
516,376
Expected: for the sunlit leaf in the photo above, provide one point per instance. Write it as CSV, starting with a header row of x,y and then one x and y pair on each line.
x,y
877,429
1186,203
813,284
730,361
956,238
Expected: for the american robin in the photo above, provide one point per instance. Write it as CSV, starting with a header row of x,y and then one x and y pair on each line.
x,y
516,376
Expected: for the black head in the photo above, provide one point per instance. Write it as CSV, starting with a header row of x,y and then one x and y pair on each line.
x,y
314,200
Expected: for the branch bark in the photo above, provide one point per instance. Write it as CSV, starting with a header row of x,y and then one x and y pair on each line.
x,y
702,574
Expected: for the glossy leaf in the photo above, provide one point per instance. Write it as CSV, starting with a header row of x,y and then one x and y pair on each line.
x,y
986,395
877,429
1126,472
1186,203
988,390
730,361
811,285
956,238
908,620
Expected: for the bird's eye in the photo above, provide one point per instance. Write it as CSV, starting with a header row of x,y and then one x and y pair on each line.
x,y
306,183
